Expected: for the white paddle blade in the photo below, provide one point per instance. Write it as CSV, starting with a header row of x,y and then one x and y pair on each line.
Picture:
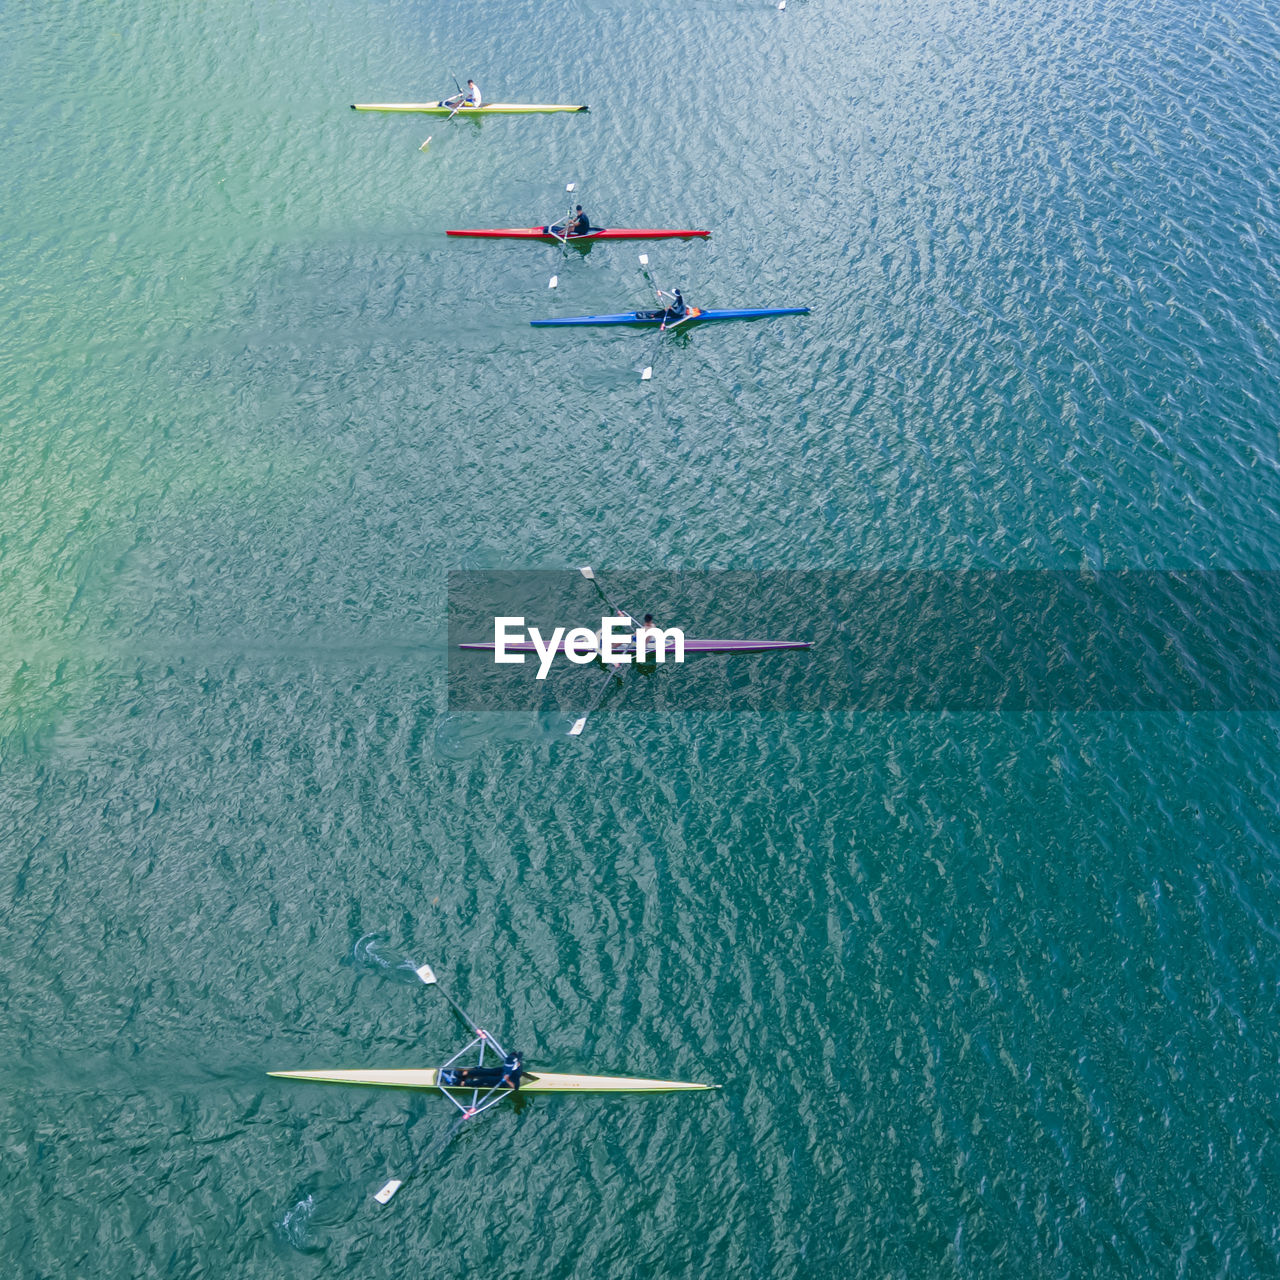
x,y
571,186
782,4
555,280
586,573
647,374
578,726
427,974
388,1191
426,144
644,259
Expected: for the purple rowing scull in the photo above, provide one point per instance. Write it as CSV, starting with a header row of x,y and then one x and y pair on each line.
x,y
690,646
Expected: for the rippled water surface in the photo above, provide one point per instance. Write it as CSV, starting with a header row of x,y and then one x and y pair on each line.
x,y
987,995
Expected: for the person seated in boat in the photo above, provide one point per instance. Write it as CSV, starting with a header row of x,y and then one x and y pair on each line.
x,y
648,638
512,1070
677,310
467,100
579,225
599,634
507,1076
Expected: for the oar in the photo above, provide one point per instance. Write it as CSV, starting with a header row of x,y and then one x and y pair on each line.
x,y
462,97
647,372
581,722
589,573
427,976
564,239
392,1185
644,271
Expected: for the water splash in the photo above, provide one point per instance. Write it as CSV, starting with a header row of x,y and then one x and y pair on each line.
x,y
392,964
293,1228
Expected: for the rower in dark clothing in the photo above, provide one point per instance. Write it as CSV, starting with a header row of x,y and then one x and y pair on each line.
x,y
512,1070
507,1076
579,225
677,310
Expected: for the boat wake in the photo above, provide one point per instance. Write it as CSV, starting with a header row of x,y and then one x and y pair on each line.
x,y
461,736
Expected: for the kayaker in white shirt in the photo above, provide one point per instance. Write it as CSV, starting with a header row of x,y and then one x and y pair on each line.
x,y
467,101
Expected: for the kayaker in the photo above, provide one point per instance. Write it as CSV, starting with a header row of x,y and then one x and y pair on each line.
x,y
512,1070
466,100
677,309
579,225
646,629
506,1076
616,662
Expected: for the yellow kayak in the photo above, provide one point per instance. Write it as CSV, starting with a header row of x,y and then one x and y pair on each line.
x,y
530,1082
488,109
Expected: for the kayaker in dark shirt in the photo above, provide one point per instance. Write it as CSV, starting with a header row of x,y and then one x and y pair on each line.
x,y
579,225
506,1076
512,1070
677,309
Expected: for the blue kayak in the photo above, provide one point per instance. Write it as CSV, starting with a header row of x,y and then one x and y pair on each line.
x,y
692,316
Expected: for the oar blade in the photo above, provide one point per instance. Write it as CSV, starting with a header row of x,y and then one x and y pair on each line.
x,y
427,974
553,282
577,727
587,573
647,375
426,144
388,1190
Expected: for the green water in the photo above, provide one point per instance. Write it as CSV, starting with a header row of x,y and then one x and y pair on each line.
x,y
987,995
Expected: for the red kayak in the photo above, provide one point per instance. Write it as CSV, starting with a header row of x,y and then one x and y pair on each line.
x,y
596,233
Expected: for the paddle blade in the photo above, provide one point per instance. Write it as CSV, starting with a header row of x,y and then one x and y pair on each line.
x,y
578,726
427,975
782,4
644,259
426,144
571,186
647,374
586,573
555,280
388,1190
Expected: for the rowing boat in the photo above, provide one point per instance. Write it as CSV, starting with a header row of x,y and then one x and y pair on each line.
x,y
473,1084
694,315
596,233
489,108
530,1081
690,646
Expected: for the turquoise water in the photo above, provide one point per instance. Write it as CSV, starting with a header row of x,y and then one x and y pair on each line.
x,y
987,994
